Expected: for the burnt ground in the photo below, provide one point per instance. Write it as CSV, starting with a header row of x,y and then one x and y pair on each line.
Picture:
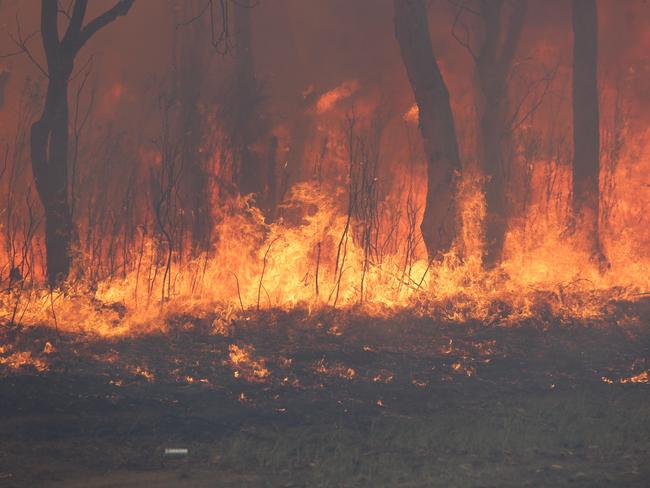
x,y
331,399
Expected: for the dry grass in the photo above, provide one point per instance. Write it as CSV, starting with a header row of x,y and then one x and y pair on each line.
x,y
345,401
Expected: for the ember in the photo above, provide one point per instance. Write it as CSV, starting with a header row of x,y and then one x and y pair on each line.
x,y
244,364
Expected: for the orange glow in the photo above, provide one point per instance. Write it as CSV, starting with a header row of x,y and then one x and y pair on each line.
x,y
244,365
639,378
345,90
413,114
19,360
258,265
130,277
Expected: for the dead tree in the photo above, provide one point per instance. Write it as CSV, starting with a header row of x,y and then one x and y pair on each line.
x,y
586,128
440,223
493,60
49,134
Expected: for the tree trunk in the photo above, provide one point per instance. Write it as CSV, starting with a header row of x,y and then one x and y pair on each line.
x,y
4,80
190,62
272,180
493,167
49,134
493,65
246,129
440,223
586,129
49,154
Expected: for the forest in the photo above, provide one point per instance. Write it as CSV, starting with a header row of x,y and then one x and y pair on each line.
x,y
324,242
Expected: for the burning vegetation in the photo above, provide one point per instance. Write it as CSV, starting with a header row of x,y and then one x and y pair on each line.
x,y
210,219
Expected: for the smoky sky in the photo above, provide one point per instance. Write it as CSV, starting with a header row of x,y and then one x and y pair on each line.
x,y
319,44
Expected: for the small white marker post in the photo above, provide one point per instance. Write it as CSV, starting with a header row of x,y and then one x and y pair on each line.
x,y
176,451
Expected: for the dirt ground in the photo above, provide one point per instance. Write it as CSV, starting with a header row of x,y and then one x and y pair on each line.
x,y
331,399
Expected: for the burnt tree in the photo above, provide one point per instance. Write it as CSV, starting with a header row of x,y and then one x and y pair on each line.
x,y
586,127
246,125
190,70
49,134
440,223
493,62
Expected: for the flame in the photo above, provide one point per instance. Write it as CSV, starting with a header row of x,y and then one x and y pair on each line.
x,y
314,255
413,114
639,378
258,265
19,360
383,376
463,369
345,90
144,373
244,364
337,370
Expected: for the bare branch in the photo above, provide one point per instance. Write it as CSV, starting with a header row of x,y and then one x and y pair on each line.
x,y
85,68
11,55
545,82
21,43
466,41
515,26
193,19
463,6
224,33
219,16
120,9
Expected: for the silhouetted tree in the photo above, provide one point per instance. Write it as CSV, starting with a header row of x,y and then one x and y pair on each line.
x,y
440,223
586,127
493,59
246,128
49,134
493,65
191,61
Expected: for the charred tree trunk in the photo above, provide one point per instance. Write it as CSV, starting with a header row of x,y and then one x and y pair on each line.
x,y
440,223
49,134
586,128
49,154
493,65
254,148
190,62
247,100
272,180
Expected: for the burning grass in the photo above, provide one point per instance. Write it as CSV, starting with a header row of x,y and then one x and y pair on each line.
x,y
316,257
294,353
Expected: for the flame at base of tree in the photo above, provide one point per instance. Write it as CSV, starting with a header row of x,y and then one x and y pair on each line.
x,y
316,256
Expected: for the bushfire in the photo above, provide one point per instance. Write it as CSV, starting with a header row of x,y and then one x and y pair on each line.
x,y
384,209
